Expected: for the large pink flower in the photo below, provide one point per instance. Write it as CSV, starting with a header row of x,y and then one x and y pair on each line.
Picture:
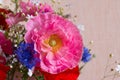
x,y
57,41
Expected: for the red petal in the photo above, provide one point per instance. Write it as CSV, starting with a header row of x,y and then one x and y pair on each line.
x,y
70,74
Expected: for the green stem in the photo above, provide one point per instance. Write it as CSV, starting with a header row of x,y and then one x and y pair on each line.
x,y
35,76
12,77
16,5
82,66
13,71
38,77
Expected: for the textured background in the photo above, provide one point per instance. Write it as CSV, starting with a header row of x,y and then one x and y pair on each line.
x,y
102,26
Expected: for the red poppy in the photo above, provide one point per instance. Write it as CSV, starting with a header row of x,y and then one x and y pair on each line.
x,y
3,71
3,75
3,13
70,74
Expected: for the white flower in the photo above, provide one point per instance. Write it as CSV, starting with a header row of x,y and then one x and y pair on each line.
x,y
81,27
118,68
35,1
29,16
30,71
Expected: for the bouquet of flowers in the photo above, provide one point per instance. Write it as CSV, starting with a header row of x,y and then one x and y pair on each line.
x,y
38,43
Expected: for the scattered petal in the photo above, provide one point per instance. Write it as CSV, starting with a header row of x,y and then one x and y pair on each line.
x,y
118,68
81,27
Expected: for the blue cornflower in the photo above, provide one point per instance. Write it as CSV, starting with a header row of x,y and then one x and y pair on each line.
x,y
25,54
86,55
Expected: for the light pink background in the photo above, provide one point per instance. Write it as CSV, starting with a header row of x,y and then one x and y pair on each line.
x,y
102,26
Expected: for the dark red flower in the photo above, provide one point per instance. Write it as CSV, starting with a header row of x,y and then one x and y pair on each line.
x,y
70,74
3,13
3,71
5,44
7,47
2,60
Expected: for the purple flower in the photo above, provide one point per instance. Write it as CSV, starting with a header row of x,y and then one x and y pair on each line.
x,y
26,55
86,55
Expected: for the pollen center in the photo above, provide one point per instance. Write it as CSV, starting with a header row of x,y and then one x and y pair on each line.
x,y
55,42
52,43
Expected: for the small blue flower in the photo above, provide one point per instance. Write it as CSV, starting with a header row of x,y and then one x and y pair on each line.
x,y
25,54
86,55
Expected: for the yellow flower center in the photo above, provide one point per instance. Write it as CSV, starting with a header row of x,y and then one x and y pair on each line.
x,y
54,42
